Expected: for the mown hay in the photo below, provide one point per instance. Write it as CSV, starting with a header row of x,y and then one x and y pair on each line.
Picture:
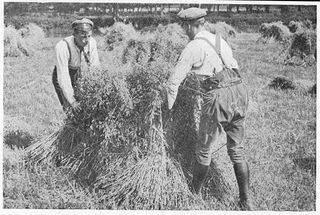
x,y
222,28
113,122
170,41
34,36
119,33
154,182
14,45
295,26
23,42
164,44
274,31
298,48
119,146
302,48
78,143
138,51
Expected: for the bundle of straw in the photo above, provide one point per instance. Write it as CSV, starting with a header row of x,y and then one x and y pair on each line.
x,y
222,28
296,26
164,44
34,36
82,144
24,41
302,48
156,181
274,31
118,146
117,34
150,177
14,45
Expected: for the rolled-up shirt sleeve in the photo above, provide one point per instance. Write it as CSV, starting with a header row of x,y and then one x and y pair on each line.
x,y
227,55
62,58
187,59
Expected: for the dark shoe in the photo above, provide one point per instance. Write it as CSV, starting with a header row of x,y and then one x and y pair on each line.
x,y
199,174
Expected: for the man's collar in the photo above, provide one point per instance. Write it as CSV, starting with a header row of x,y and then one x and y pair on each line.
x,y
200,34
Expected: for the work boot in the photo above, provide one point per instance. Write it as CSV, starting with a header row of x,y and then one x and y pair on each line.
x,y
199,174
242,174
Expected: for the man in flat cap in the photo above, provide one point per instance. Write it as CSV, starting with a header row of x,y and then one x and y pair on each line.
x,y
224,99
74,54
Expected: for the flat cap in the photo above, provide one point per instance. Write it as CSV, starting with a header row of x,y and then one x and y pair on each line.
x,y
82,24
192,14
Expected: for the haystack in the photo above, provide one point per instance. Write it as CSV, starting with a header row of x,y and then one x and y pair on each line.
x,y
118,34
119,117
23,42
222,28
274,31
34,36
164,44
295,26
302,49
14,45
119,146
298,45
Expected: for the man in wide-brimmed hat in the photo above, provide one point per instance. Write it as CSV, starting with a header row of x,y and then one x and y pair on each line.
x,y
74,54
224,99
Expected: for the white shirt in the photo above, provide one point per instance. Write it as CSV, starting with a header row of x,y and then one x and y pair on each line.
x,y
199,57
76,61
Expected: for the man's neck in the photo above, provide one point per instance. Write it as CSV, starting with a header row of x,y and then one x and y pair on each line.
x,y
198,30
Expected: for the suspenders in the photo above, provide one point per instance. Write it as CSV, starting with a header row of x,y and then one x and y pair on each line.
x,y
86,55
217,49
74,73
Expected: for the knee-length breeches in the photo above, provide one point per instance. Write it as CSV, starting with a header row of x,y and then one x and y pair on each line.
x,y
222,110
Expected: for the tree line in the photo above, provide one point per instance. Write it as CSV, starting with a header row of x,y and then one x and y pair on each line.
x,y
114,9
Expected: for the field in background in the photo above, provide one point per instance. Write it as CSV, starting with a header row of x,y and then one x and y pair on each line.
x,y
58,24
280,138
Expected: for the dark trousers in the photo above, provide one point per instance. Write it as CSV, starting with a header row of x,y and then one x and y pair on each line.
x,y
223,108
74,75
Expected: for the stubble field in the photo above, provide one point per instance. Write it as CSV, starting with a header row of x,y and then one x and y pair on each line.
x,y
280,137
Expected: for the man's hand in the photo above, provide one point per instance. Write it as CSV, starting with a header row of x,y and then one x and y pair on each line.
x,y
76,106
167,100
170,102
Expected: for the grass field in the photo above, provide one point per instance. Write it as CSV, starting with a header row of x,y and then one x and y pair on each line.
x,y
280,136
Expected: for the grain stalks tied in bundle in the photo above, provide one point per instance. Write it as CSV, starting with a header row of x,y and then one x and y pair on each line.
x,y
121,153
302,49
156,181
84,144
274,32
